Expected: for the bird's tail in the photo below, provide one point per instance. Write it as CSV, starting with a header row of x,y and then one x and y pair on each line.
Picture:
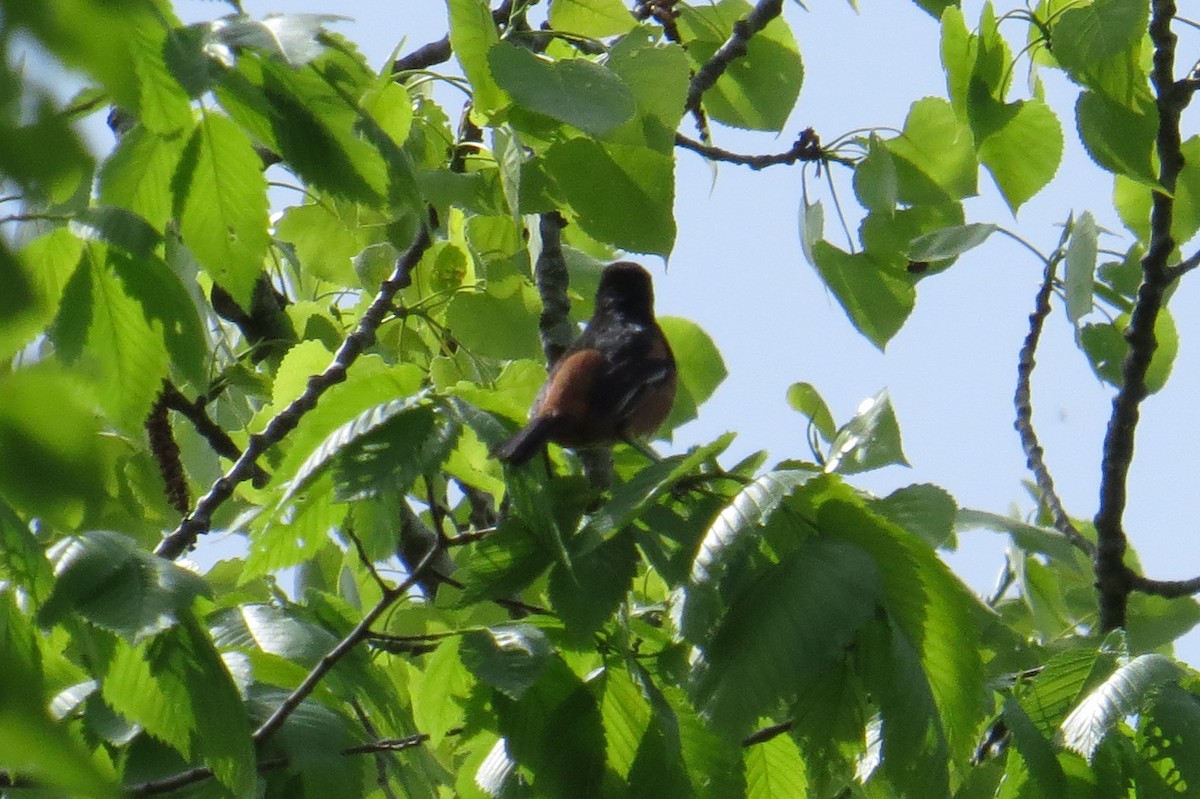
x,y
527,442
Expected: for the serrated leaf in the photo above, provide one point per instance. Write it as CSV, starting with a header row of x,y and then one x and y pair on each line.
x,y
508,657
137,175
1166,737
868,441
949,242
775,769
803,397
119,227
725,547
796,618
876,300
593,18
472,34
105,578
441,690
576,91
1081,266
934,156
875,181
164,106
758,90
1099,45
925,509
623,195
500,322
1037,751
1121,694
1106,349
221,198
588,593
1118,137
1022,149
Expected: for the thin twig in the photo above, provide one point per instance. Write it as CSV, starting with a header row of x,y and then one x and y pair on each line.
x,y
1169,589
1024,423
1113,577
197,413
198,521
806,148
381,759
734,47
767,733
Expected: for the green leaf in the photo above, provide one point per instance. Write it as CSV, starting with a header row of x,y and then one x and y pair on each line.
x,y
1025,536
924,509
701,369
877,301
52,465
1133,201
576,91
499,322
1022,149
441,691
35,282
1081,266
658,76
1166,736
119,227
804,398
797,617
726,547
588,593
105,578
812,227
775,769
325,244
876,183
936,612
1099,44
949,242
1156,622
22,561
596,19
1123,693
137,175
1106,348
164,105
868,441
934,156
31,743
622,195
1060,684
1118,137
221,198
758,90
508,657
1038,752
472,35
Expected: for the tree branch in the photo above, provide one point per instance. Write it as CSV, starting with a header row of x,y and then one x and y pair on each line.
x,y
197,413
1113,578
198,521
734,47
1022,399
806,148
433,53
550,274
1169,589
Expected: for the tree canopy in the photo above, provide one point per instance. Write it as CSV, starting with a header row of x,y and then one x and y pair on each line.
x,y
303,298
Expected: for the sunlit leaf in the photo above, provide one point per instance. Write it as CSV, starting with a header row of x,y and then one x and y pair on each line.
x,y
1081,266
1121,694
868,441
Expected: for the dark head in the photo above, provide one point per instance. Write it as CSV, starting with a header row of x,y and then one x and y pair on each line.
x,y
625,289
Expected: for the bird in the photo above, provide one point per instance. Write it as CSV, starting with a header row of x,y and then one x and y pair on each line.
x,y
616,382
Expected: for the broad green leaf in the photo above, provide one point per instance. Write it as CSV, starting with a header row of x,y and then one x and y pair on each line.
x,y
52,467
701,369
949,242
1099,44
391,107
812,227
935,611
35,281
123,350
804,398
593,18
472,35
22,560
31,743
1166,736
934,156
221,198
1081,266
1133,201
508,657
726,546
877,301
440,691
1022,149
272,629
296,534
325,244
924,509
117,226
163,104
798,616
758,90
1037,750
588,593
1123,693
775,769
868,441
105,578
1060,684
888,236
1156,622
1118,137
876,183
1106,348
137,175
504,563
311,741
576,91
658,77
621,195
1026,536
499,322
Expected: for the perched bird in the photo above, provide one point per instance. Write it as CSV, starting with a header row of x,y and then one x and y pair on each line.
x,y
615,383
